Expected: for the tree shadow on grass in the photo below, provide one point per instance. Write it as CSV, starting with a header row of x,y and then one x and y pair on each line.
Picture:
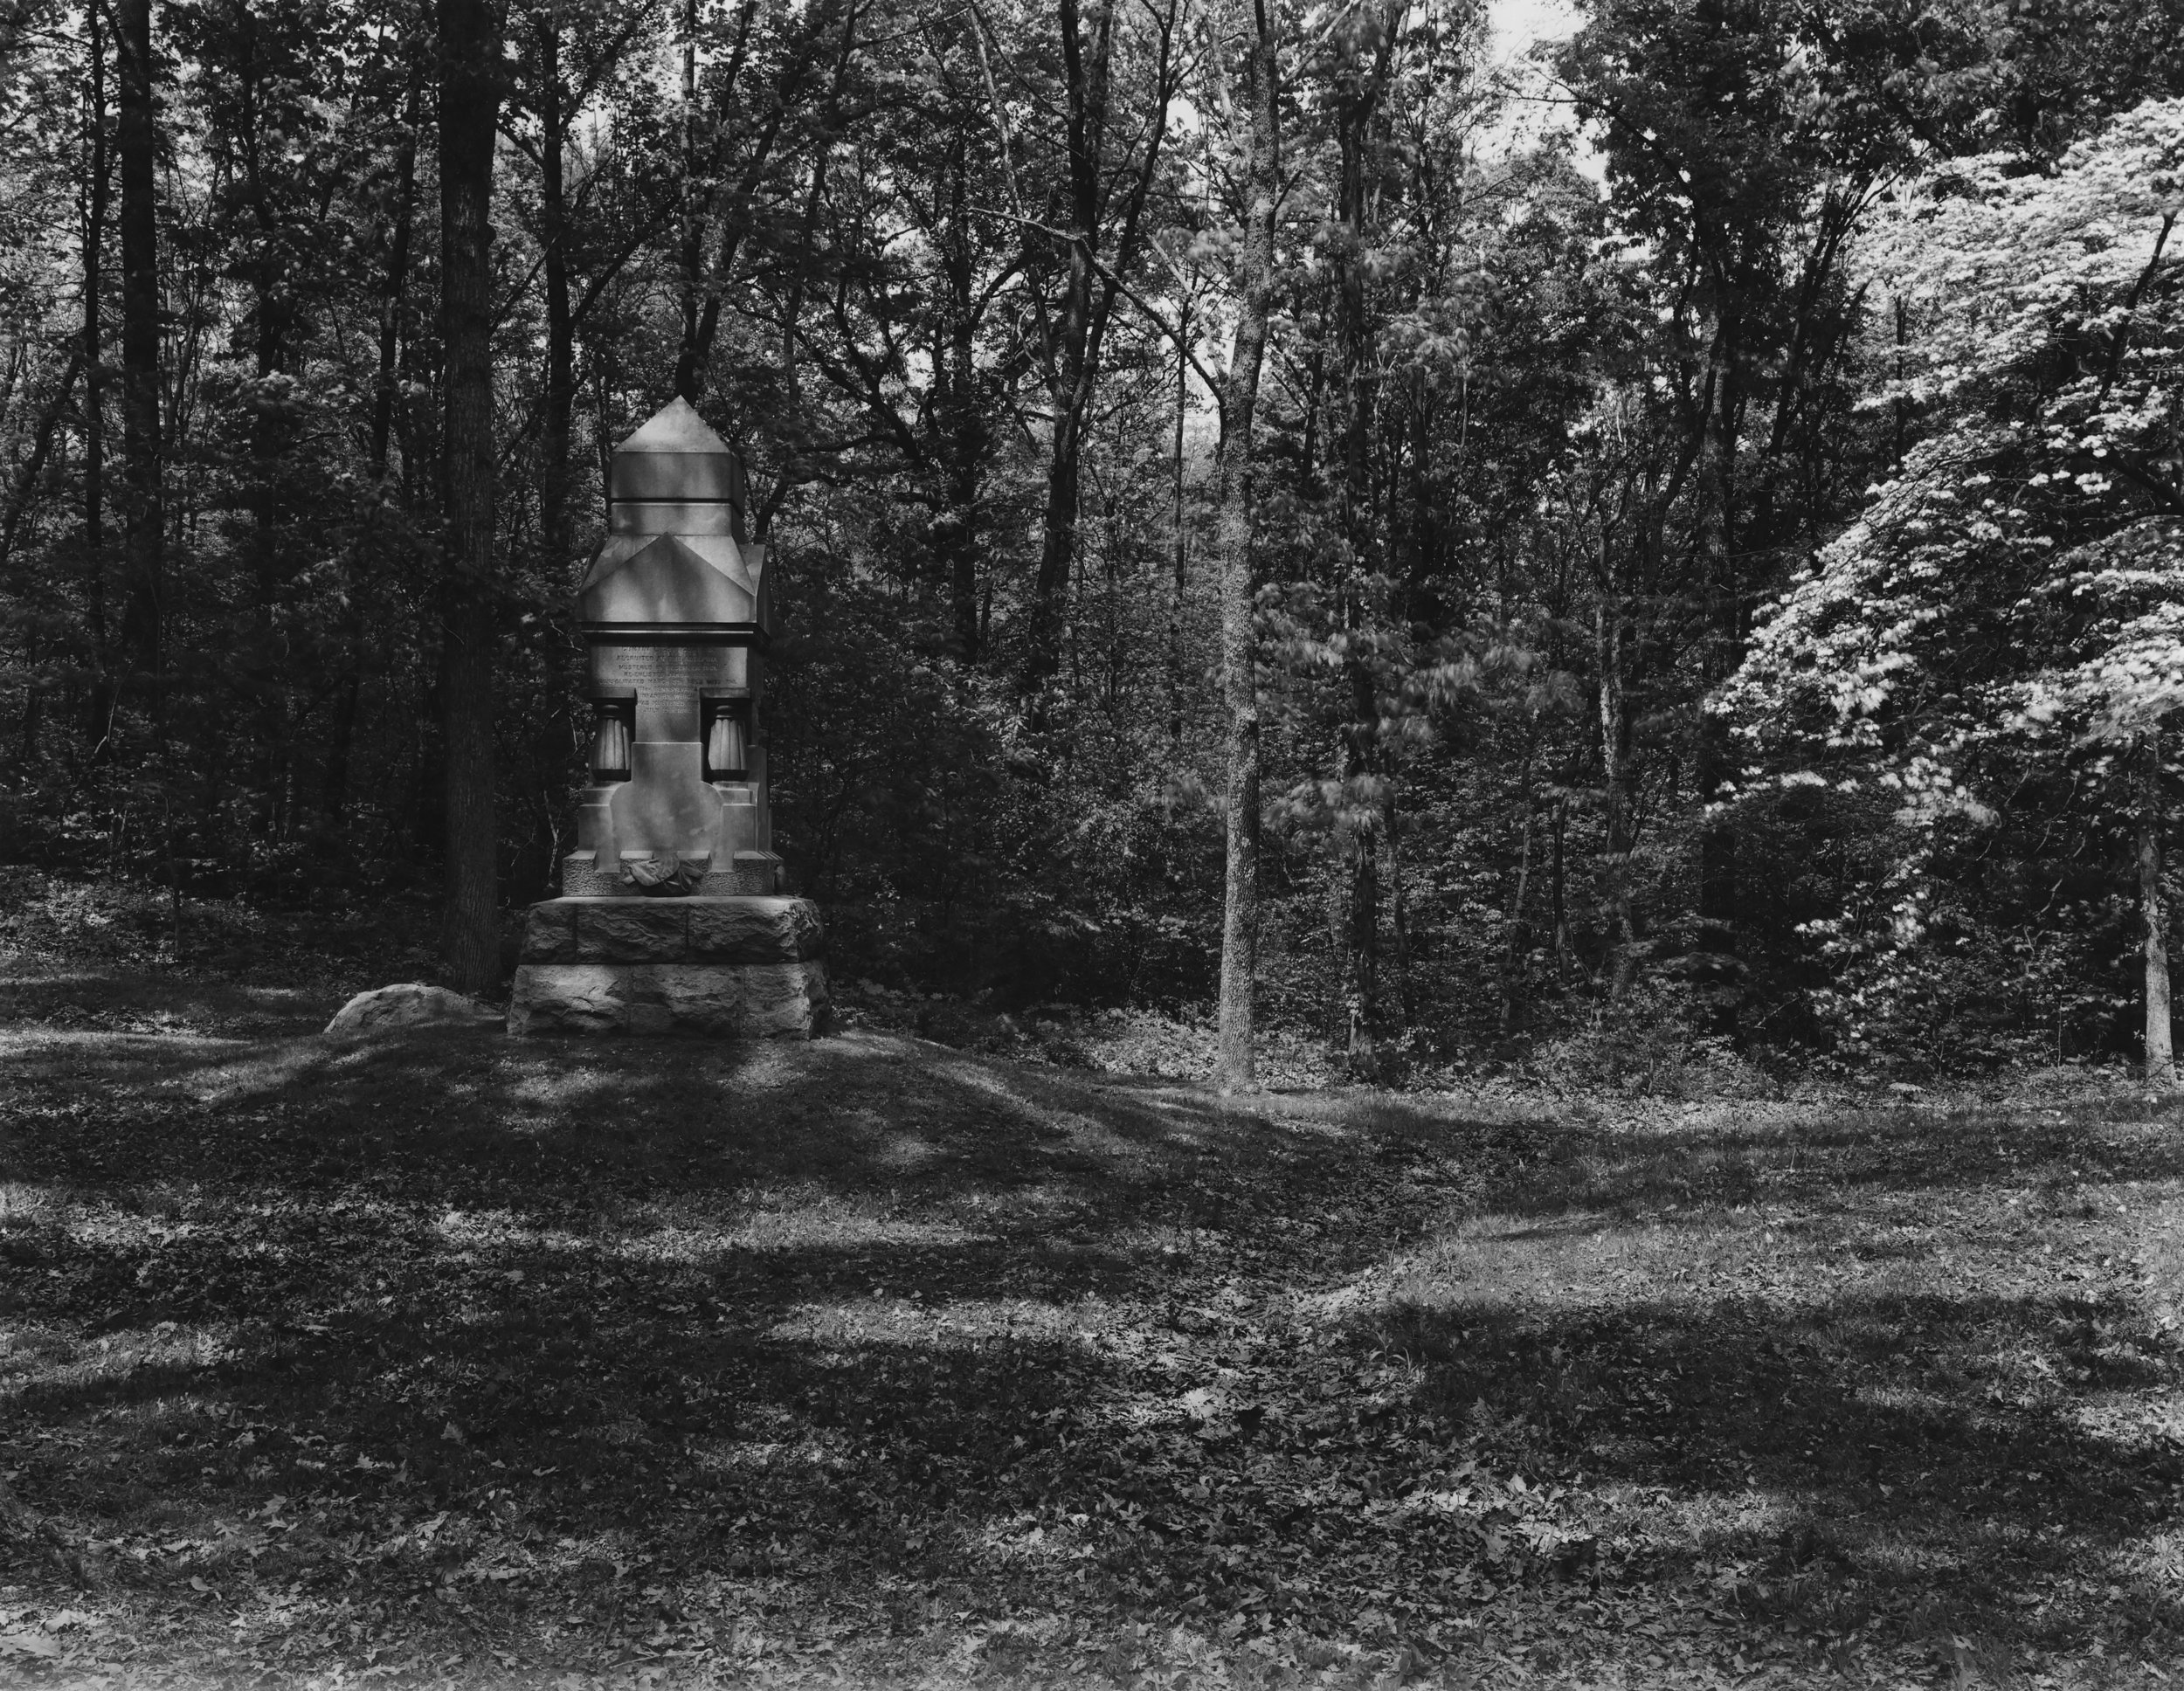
x,y
1623,1172
1989,1463
559,1131
879,1324
162,1002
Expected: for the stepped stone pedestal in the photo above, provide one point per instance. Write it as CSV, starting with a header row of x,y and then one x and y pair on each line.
x,y
734,967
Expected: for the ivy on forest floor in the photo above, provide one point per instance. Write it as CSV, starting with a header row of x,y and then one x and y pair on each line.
x,y
442,1359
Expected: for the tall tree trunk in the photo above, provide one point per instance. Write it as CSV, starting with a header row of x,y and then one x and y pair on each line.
x,y
143,613
1358,84
2153,913
561,336
1180,537
271,436
469,107
1398,910
1233,551
1361,910
556,738
98,194
1058,520
1610,637
1712,760
1558,893
1518,948
395,286
1088,58
690,361
967,435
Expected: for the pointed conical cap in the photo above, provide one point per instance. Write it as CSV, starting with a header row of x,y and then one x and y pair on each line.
x,y
675,427
675,455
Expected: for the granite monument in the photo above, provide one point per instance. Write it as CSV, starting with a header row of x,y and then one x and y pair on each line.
x,y
671,919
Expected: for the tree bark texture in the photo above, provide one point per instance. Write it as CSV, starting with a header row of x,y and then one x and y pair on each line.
x,y
1233,548
690,361
394,287
2153,912
469,105
956,389
1610,637
1359,83
1712,759
143,613
555,739
1180,537
98,194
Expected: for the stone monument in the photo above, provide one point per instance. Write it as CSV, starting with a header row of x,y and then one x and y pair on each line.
x,y
671,919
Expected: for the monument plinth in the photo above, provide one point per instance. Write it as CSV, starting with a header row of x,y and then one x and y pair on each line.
x,y
670,919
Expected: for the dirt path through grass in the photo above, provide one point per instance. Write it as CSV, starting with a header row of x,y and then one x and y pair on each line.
x,y
449,1359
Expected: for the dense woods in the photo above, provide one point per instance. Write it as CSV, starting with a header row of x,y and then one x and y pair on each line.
x,y
1701,571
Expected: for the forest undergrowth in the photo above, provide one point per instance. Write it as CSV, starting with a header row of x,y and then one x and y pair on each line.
x,y
442,1359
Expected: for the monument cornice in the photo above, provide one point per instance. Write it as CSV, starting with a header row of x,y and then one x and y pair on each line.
x,y
676,633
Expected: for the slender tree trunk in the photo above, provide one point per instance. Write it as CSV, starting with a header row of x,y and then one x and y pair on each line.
x,y
1180,538
1623,924
1233,548
690,361
271,436
395,286
1558,895
555,737
1398,910
560,337
1712,760
2153,913
1513,956
1360,887
143,613
1720,970
1358,99
1361,924
98,190
967,434
470,99
1058,521
1087,57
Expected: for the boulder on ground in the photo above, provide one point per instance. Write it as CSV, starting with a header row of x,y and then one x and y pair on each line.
x,y
410,1005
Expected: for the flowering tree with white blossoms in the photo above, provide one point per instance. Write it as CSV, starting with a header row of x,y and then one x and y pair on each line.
x,y
2003,627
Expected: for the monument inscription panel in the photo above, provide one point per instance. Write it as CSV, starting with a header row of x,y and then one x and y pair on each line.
x,y
666,679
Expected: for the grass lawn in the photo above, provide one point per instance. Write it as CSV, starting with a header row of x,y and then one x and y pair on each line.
x,y
446,1359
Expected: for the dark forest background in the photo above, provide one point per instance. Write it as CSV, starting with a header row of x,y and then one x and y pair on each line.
x,y
1575,367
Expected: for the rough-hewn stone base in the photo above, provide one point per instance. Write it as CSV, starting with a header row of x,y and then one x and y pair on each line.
x,y
717,967
716,1000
